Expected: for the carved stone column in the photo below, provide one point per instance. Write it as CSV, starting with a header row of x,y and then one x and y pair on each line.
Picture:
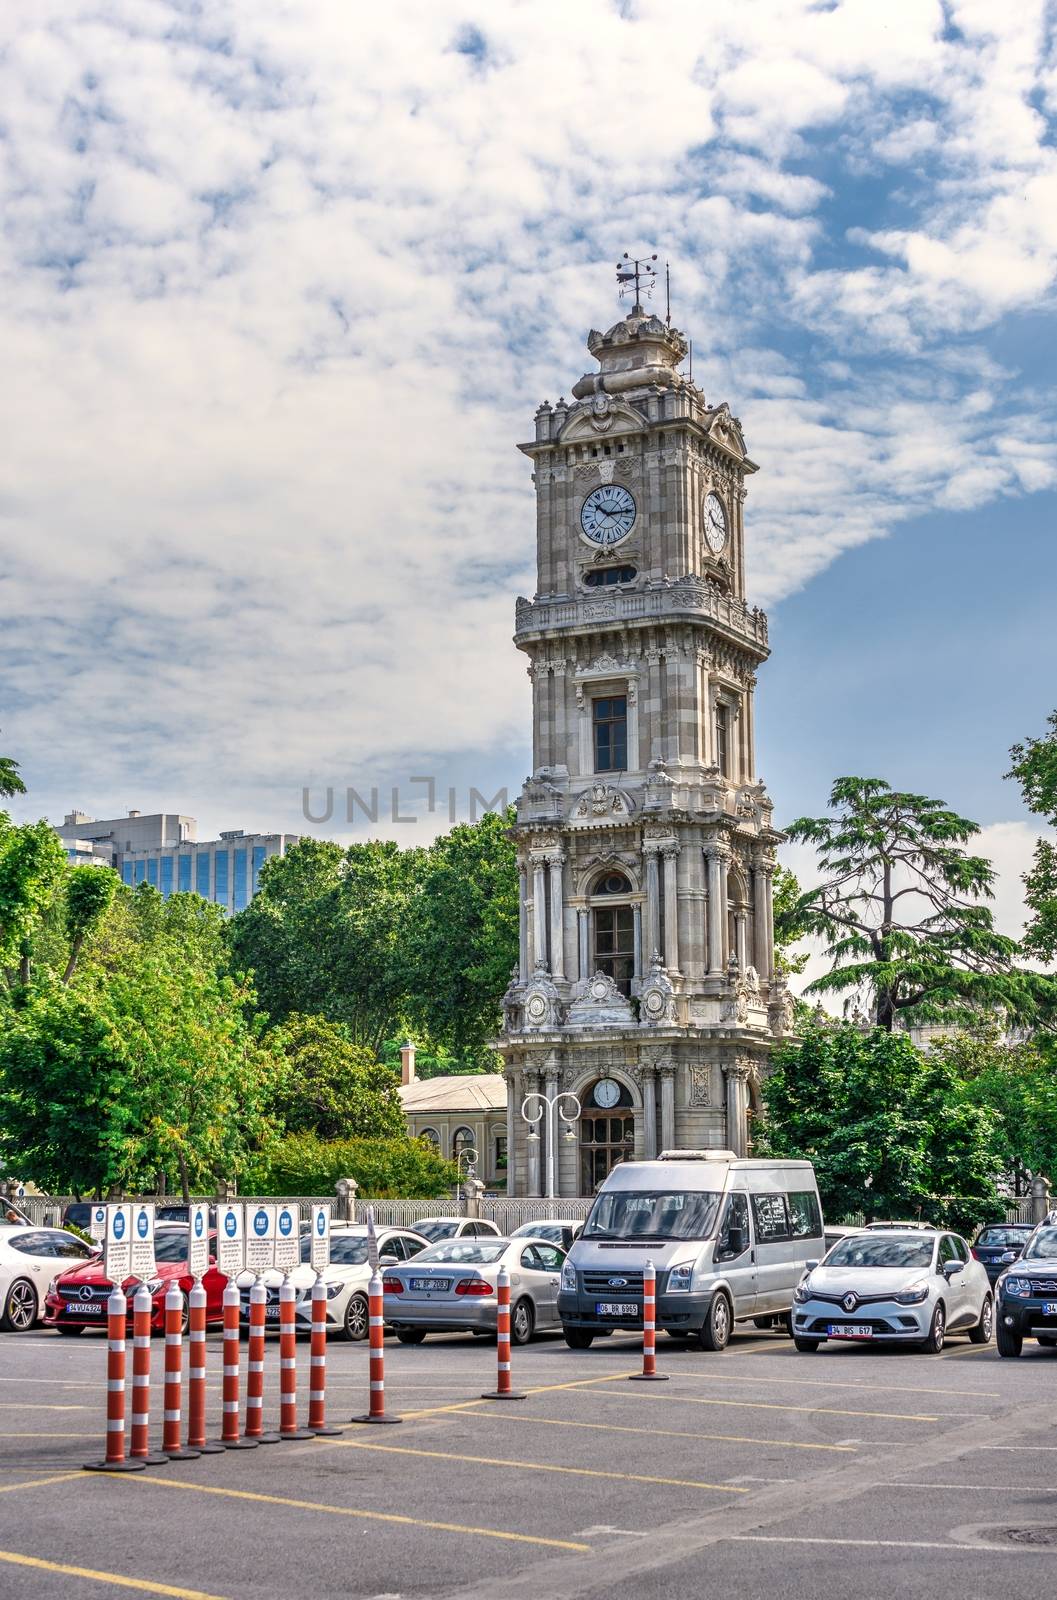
x,y
667,1076
653,905
511,1132
741,927
530,1084
649,1113
763,909
637,939
555,864
539,911
671,907
524,956
737,1074
584,933
718,856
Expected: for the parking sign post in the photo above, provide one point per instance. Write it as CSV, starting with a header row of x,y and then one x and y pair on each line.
x,y
260,1255
142,1312
115,1459
377,1411
288,1256
504,1389
173,1392
319,1256
649,1373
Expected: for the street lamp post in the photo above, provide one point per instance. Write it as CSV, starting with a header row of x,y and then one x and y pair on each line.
x,y
548,1106
469,1154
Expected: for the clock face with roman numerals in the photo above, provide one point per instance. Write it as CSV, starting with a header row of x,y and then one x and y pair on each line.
x,y
608,514
715,519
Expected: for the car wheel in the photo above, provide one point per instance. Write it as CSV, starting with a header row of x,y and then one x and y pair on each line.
x,y
983,1330
763,1323
1009,1343
410,1335
522,1322
356,1323
67,1331
807,1347
578,1338
20,1307
715,1331
933,1345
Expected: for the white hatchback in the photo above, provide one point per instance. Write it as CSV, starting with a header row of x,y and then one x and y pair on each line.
x,y
908,1286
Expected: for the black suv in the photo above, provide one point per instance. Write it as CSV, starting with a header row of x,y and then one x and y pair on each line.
x,y
998,1244
1027,1293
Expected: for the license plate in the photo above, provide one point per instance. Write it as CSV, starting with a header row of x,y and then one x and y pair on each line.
x,y
84,1308
1049,1308
271,1313
849,1330
424,1285
616,1308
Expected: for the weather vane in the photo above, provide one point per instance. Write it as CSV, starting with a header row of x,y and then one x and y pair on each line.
x,y
637,271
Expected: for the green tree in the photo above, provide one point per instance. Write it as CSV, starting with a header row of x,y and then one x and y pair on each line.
x,y
89,896
890,1130
1016,1083
32,863
10,782
1035,769
302,1163
901,903
790,924
331,1087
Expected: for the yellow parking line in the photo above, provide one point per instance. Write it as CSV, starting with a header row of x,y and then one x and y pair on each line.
x,y
834,1383
546,1388
145,1584
367,1516
37,1483
661,1433
764,1405
536,1466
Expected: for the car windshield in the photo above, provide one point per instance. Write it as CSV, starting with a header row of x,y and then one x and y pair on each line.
x,y
1002,1238
880,1252
653,1214
468,1251
437,1229
171,1245
1042,1243
537,1230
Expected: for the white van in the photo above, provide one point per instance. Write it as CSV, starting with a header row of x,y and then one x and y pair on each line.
x,y
728,1238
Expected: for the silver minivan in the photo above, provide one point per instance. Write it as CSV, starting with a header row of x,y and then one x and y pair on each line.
x,y
729,1239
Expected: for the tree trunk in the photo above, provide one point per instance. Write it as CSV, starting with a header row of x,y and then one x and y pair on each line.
x,y
184,1185
75,951
886,1012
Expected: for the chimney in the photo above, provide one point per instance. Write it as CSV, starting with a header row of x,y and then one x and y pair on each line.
x,y
407,1064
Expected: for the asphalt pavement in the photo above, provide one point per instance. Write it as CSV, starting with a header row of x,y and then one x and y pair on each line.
x,y
880,1473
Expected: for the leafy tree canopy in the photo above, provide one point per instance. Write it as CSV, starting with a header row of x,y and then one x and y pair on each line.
x,y
332,1087
900,903
302,1163
1035,769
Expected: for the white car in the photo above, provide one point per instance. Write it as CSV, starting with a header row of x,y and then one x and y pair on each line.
x,y
437,1228
556,1230
911,1286
347,1279
29,1259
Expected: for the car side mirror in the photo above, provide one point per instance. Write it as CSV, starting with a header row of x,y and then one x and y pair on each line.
x,y
809,1266
387,1261
951,1267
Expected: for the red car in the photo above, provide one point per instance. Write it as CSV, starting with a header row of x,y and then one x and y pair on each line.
x,y
77,1298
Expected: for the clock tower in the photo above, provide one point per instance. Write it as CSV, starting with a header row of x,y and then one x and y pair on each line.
x,y
645,984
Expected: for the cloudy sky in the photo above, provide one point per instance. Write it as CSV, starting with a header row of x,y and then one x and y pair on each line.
x,y
283,284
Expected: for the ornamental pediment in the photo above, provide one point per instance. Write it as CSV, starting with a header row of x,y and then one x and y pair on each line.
x,y
599,417
725,430
602,802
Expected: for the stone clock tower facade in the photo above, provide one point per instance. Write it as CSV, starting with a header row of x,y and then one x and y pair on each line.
x,y
646,982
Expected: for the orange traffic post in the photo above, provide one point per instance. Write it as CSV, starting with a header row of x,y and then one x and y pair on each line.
x,y
139,1448
196,1374
317,1392
174,1344
504,1389
115,1459
288,1428
377,1412
649,1373
229,1430
255,1368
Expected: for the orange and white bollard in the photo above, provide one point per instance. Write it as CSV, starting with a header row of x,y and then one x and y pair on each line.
x,y
255,1368
317,1393
115,1459
196,1374
288,1428
504,1389
229,1430
649,1373
139,1447
377,1412
174,1342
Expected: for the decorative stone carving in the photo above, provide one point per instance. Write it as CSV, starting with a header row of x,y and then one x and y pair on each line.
x,y
602,800
657,996
781,1012
540,1004
600,1005
700,1094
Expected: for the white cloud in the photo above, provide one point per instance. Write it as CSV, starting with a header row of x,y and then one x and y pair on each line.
x,y
281,287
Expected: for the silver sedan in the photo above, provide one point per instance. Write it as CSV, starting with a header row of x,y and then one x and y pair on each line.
x,y
453,1287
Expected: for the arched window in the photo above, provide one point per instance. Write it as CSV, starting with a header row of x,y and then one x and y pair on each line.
x,y
612,883
462,1139
432,1135
607,1133
613,929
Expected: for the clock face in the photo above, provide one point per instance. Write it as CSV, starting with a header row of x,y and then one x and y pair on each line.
x,y
607,1093
608,514
715,523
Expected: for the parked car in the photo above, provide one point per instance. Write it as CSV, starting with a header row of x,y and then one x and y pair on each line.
x,y
556,1230
888,1226
29,1259
1027,1294
164,1212
437,1228
77,1299
77,1214
905,1285
999,1244
453,1287
729,1239
347,1278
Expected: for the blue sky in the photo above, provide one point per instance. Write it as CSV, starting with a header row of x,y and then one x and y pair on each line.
x,y
280,292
